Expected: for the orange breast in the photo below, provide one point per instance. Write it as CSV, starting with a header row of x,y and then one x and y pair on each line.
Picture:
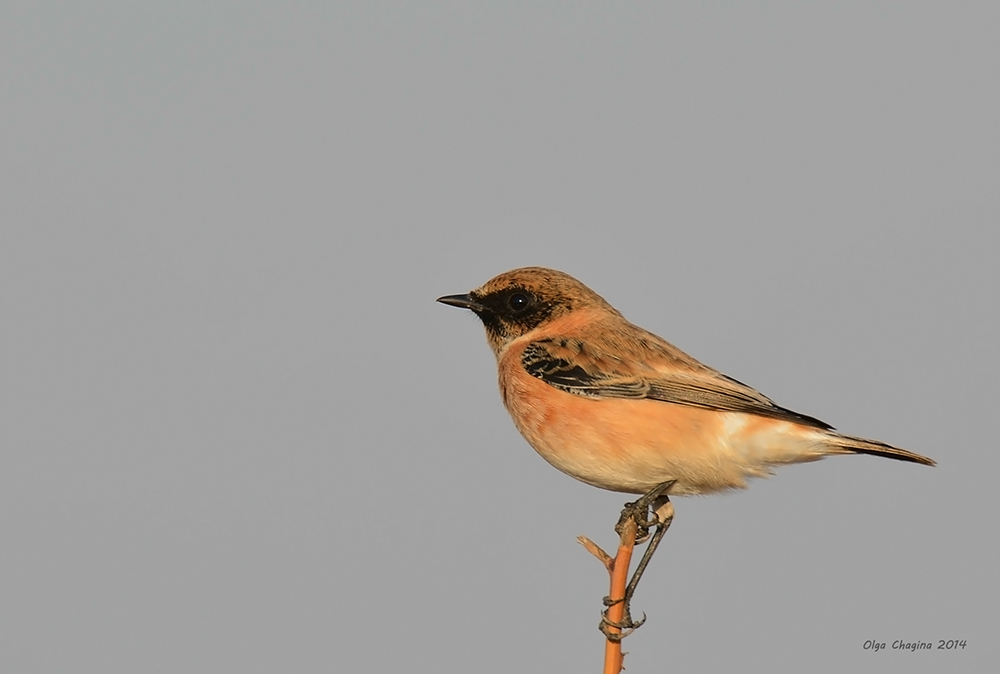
x,y
633,445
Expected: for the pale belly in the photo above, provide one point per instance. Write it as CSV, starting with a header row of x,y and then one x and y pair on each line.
x,y
631,446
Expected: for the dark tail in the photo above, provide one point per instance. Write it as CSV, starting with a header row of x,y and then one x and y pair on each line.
x,y
876,448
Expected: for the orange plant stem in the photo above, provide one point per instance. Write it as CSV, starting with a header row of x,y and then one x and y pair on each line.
x,y
613,658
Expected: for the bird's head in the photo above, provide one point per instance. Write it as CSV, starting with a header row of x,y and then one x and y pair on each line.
x,y
518,301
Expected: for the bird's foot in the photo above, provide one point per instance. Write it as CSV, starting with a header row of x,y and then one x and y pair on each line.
x,y
623,627
639,510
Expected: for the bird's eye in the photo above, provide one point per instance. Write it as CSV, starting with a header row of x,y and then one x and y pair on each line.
x,y
518,302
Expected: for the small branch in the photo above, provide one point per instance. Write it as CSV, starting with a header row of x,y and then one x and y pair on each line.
x,y
616,619
596,551
618,571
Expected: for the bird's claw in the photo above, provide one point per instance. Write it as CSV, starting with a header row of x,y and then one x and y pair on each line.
x,y
624,627
639,511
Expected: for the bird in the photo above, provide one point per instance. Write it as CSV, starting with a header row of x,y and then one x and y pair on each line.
x,y
618,407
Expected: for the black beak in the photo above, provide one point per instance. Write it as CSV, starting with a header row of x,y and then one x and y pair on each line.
x,y
463,301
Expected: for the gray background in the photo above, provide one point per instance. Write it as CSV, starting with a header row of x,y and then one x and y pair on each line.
x,y
238,435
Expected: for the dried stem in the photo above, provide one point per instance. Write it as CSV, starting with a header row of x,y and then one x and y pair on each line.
x,y
618,571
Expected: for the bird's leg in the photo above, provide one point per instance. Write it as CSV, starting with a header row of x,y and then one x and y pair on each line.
x,y
662,516
639,511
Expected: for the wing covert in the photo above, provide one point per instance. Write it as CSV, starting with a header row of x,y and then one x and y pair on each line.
x,y
578,374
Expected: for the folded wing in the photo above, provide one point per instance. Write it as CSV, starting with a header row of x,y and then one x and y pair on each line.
x,y
576,367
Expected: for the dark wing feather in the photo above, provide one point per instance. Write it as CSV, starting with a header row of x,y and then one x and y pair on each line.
x,y
539,362
705,389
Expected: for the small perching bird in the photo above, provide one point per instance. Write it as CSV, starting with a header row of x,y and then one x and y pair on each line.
x,y
619,408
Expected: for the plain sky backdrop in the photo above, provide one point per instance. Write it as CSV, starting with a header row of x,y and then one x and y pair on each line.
x,y
238,435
